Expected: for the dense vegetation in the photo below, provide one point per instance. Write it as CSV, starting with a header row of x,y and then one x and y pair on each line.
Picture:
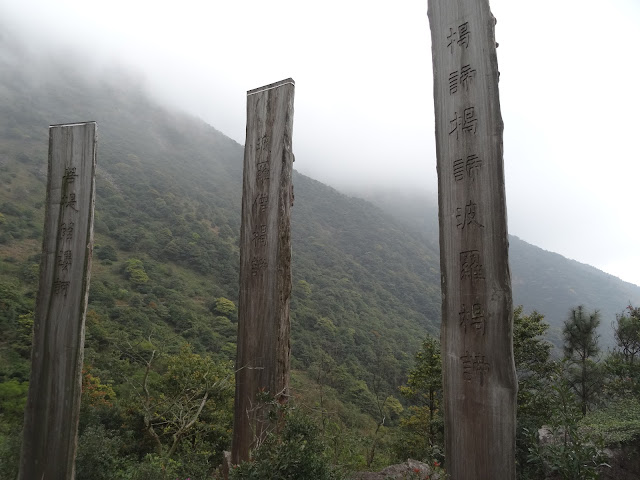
x,y
161,326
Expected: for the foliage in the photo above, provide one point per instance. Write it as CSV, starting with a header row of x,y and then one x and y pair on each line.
x,y
627,334
422,429
225,307
107,253
13,398
296,452
180,403
98,456
617,423
536,374
581,351
570,453
134,271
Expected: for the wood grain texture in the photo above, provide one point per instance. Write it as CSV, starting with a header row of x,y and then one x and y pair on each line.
x,y
265,261
53,403
479,378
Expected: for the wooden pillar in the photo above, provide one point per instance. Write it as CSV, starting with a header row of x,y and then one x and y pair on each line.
x,y
479,377
53,403
265,262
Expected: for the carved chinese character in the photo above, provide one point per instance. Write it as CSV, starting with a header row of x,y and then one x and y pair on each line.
x,y
69,174
64,259
467,216
263,171
69,201
474,367
60,287
66,231
471,166
263,202
460,37
262,143
468,122
260,236
471,266
460,78
257,265
474,317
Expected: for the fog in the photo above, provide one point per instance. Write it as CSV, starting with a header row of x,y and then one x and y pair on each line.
x,y
364,108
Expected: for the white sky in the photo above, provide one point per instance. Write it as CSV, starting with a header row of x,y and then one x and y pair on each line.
x,y
569,92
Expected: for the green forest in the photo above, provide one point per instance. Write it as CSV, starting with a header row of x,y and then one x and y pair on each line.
x,y
365,311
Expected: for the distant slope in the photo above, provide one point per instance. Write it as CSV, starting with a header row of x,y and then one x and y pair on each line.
x,y
541,280
552,284
366,289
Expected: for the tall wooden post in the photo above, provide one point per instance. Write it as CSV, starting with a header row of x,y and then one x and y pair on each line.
x,y
265,262
53,403
480,384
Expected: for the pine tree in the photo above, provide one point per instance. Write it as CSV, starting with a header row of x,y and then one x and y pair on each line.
x,y
581,352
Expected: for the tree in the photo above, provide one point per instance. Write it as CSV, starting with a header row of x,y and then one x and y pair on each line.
x,y
424,428
627,334
623,369
534,368
173,405
581,354
536,374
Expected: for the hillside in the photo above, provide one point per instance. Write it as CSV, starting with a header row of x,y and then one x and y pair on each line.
x,y
168,205
541,280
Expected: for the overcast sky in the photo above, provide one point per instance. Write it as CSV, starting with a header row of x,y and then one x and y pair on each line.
x,y
569,92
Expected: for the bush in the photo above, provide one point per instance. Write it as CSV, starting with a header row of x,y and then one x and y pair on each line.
x,y
297,452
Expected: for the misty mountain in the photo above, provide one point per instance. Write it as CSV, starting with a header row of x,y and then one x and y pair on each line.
x,y
541,280
168,201
366,284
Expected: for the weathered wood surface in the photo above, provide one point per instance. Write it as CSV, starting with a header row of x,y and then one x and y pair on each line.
x,y
265,261
53,403
480,384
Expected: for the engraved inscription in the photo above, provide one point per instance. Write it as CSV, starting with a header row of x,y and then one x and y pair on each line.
x,y
260,236
60,287
262,143
467,122
472,317
467,215
469,167
466,75
473,166
258,265
460,37
460,78
474,367
262,201
263,172
471,266
64,259
69,201
66,231
69,174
